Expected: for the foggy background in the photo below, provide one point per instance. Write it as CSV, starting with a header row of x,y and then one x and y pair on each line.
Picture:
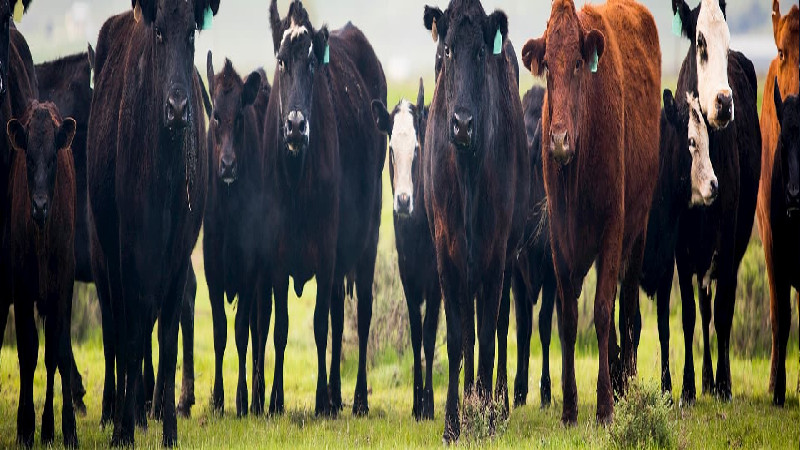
x,y
241,31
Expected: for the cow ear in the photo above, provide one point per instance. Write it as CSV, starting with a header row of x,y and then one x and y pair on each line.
x,y
210,72
670,108
65,134
382,118
421,96
536,145
776,19
90,55
276,25
722,7
776,96
496,22
25,4
684,13
250,88
533,54
16,135
147,8
435,21
320,41
594,43
200,9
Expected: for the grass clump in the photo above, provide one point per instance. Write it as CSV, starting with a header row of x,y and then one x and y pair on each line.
x,y
643,418
481,421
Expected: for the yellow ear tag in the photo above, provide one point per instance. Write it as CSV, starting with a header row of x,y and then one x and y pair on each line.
x,y
137,13
19,9
434,31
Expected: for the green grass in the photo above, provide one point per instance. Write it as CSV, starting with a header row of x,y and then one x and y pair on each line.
x,y
749,421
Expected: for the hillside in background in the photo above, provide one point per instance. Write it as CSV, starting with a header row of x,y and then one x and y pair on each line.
x,y
241,29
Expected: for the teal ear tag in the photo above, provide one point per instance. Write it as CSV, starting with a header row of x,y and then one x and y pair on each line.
x,y
677,25
593,64
498,43
19,10
208,15
327,58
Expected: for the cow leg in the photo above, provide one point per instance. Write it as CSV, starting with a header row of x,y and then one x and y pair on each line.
x,y
337,329
365,275
216,296
469,346
688,313
103,287
413,300
168,352
724,307
524,315
545,328
773,304
607,273
51,364
27,352
280,287
433,304
662,308
704,299
66,363
242,329
186,402
629,299
130,342
783,324
153,392
259,329
501,388
4,310
322,405
568,328
76,385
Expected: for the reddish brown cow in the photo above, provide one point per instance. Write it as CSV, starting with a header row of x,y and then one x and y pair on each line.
x,y
600,159
42,186
784,67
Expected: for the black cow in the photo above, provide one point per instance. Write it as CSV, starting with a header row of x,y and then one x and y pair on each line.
x,y
416,259
533,271
147,170
785,221
42,227
476,176
233,220
712,239
15,64
324,158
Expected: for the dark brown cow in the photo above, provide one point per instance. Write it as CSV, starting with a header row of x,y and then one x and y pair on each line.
x,y
147,171
324,158
416,259
600,157
42,231
784,67
476,176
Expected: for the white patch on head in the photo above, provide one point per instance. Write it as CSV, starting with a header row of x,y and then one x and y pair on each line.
x,y
293,32
712,73
703,176
404,145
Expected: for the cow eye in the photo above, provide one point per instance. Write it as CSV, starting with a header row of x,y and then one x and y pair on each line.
x,y
692,143
578,64
544,66
281,65
159,35
481,53
191,37
780,54
216,118
448,52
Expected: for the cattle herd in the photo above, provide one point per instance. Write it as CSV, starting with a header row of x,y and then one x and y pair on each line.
x,y
114,159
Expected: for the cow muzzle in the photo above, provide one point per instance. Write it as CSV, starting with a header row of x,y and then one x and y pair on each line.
x,y
461,130
560,148
793,200
40,207
177,111
295,131
403,206
228,168
723,109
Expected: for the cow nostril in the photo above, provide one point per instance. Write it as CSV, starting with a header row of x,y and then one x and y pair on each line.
x,y
714,188
302,126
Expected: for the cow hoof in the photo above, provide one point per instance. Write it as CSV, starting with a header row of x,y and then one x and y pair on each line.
x,y
545,393
276,403
169,441
360,406
241,401
71,441
184,410
452,431
48,428
427,404
323,408
218,399
79,406
687,398
335,394
778,398
666,384
569,418
25,440
723,394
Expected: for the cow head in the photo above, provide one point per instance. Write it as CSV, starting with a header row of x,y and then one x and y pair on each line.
x,y
786,33
564,55
466,36
706,28
230,98
173,25
789,148
300,51
6,13
691,127
402,126
40,134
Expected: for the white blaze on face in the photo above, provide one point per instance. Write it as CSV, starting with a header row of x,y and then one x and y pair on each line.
x,y
704,181
713,41
404,147
293,32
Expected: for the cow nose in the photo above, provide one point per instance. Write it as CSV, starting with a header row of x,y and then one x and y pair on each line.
x,y
403,203
794,190
295,124
227,168
724,105
176,106
714,190
462,129
40,208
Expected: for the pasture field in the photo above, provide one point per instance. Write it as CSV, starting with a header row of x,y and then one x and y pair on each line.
x,y
748,421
